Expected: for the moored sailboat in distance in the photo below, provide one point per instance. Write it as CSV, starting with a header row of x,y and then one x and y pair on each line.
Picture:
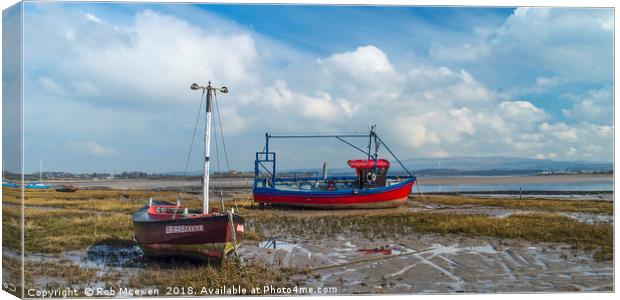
x,y
369,188
40,184
164,229
6,183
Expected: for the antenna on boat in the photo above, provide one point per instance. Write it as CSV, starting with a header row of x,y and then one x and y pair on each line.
x,y
205,181
324,170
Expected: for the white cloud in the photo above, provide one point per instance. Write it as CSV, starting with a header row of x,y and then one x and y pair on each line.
x,y
363,62
232,121
90,148
277,96
283,103
445,85
560,131
70,34
522,112
442,112
51,86
324,107
573,43
157,43
92,18
136,84
595,107
547,82
413,130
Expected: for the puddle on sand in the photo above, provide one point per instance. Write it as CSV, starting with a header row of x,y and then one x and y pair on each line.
x,y
502,213
96,256
423,263
108,261
589,218
113,256
455,249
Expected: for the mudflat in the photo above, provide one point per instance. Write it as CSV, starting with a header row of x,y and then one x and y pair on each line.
x,y
433,244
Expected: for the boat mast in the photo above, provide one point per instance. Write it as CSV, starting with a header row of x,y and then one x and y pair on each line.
x,y
205,178
40,169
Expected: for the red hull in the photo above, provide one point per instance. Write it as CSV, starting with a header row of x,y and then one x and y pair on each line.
x,y
203,236
390,196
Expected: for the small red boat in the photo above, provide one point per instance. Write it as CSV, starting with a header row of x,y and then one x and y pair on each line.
x,y
370,188
163,229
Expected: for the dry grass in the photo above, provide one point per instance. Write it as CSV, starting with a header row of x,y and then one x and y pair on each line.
x,y
98,200
252,235
49,231
57,221
76,220
585,206
11,273
11,219
70,273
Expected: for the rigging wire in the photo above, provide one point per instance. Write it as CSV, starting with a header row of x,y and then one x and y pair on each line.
x,y
191,146
217,150
217,109
217,160
219,119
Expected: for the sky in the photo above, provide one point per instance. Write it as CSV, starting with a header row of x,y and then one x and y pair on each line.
x,y
106,85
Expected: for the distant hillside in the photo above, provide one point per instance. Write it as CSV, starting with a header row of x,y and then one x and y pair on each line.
x,y
480,166
503,163
452,166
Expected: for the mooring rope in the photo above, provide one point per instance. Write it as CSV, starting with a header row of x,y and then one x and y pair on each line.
x,y
369,260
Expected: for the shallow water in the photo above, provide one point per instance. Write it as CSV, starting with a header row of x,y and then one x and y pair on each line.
x,y
427,263
604,185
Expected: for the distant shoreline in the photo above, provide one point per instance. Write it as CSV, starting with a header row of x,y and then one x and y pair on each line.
x,y
529,179
247,182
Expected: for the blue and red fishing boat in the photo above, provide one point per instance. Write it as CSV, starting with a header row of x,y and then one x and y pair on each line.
x,y
371,187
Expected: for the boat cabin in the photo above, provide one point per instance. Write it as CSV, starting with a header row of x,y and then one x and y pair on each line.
x,y
370,172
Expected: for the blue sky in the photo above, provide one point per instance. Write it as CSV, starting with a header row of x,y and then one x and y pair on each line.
x,y
106,84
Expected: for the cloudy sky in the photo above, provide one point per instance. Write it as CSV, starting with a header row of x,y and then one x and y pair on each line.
x,y
107,85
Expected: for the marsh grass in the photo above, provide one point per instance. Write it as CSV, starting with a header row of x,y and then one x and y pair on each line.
x,y
11,219
59,274
98,200
71,221
585,206
52,232
11,273
56,222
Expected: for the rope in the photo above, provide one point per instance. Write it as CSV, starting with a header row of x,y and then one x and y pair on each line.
x,y
369,260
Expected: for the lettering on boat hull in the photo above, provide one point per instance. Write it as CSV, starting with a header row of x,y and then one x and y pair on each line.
x,y
171,229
